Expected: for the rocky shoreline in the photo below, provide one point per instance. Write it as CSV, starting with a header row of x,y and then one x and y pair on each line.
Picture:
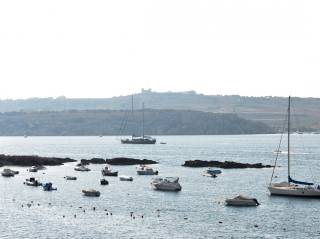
x,y
32,160
225,164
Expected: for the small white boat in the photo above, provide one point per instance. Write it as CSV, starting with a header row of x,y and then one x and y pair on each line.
x,y
212,172
145,170
108,172
8,172
91,193
166,184
242,201
33,169
125,178
70,178
82,168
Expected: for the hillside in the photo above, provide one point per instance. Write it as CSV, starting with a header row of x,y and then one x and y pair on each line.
x,y
269,110
111,122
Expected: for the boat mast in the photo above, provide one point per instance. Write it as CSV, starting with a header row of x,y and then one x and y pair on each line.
x,y
143,120
132,114
289,139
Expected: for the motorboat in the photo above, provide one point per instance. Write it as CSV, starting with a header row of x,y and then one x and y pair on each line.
x,y
292,187
32,182
82,168
242,201
48,187
8,172
125,178
104,182
108,172
91,193
70,178
166,184
212,172
33,169
145,170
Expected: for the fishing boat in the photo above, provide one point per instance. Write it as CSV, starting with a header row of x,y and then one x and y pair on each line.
x,y
82,168
32,182
125,178
292,187
139,139
145,170
242,201
108,172
212,172
166,184
90,193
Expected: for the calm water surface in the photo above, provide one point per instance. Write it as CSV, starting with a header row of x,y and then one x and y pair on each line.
x,y
198,211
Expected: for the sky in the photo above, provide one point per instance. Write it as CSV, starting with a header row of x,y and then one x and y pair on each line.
x,y
79,48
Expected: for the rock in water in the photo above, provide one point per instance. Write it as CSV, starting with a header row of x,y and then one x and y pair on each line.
x,y
129,161
225,164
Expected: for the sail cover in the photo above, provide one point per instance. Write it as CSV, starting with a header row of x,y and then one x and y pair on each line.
x,y
298,182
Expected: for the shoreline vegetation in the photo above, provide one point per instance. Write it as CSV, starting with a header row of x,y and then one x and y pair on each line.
x,y
118,122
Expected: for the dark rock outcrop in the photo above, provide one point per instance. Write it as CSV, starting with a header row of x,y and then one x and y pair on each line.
x,y
129,161
225,164
93,161
32,160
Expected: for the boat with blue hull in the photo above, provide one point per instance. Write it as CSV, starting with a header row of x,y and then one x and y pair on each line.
x,y
292,187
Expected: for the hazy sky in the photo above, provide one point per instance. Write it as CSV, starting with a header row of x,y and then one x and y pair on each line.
x,y
107,48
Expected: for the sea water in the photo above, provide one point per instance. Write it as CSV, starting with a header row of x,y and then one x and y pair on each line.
x,y
198,211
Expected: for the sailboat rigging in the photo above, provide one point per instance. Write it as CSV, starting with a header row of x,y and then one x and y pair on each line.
x,y
139,139
293,187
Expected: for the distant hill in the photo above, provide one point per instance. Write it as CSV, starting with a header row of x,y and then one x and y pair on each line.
x,y
269,110
113,122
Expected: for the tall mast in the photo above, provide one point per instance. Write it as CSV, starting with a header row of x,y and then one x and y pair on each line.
x,y
132,104
289,139
143,119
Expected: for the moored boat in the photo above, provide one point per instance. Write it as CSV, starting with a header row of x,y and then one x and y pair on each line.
x,y
166,184
90,193
8,172
104,182
242,201
32,182
108,172
33,169
125,178
292,187
70,178
145,170
82,168
212,172
48,187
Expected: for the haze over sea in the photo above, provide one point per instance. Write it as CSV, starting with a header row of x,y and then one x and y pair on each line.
x,y
198,211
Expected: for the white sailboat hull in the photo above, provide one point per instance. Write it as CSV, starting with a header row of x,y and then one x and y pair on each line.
x,y
294,191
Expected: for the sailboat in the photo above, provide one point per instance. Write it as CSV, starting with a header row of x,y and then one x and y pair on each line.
x,y
139,139
293,187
